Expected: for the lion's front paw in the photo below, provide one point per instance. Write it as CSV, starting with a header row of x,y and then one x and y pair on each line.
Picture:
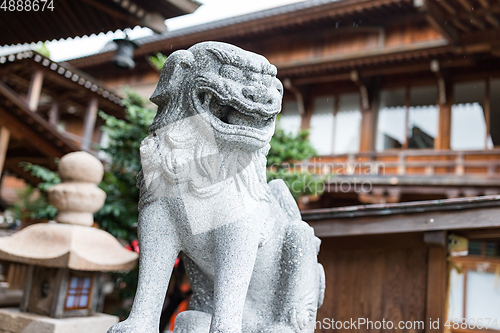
x,y
130,326
192,322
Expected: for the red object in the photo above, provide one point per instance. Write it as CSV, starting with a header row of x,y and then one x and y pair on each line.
x,y
133,246
180,308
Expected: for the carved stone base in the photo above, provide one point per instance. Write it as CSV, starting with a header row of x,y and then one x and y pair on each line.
x,y
14,321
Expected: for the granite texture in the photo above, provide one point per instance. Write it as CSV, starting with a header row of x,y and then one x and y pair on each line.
x,y
14,321
77,198
251,260
72,243
67,246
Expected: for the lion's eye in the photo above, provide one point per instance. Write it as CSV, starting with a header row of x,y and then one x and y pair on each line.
x,y
231,72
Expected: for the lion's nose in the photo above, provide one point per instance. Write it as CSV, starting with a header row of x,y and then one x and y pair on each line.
x,y
257,95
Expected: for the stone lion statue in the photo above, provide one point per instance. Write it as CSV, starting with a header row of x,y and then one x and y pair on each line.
x,y
251,260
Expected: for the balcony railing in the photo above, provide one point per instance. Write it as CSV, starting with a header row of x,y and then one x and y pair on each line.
x,y
428,162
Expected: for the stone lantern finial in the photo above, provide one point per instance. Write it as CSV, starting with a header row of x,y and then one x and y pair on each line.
x,y
77,198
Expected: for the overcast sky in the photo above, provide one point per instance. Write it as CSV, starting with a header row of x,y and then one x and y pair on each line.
x,y
211,10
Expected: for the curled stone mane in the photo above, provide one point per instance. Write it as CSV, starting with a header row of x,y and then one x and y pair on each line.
x,y
178,154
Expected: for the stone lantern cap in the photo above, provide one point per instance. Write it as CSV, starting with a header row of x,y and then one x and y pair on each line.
x,y
67,246
71,243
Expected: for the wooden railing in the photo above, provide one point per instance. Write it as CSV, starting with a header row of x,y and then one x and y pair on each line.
x,y
482,163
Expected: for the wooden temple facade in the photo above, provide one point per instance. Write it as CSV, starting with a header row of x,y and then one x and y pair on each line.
x,y
402,99
407,84
49,109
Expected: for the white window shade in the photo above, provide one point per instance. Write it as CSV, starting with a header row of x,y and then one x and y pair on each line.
x,y
290,118
468,125
391,120
348,125
322,125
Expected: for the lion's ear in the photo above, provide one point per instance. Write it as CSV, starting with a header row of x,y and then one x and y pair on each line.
x,y
171,76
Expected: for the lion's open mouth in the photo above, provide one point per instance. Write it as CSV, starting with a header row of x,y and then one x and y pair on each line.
x,y
229,116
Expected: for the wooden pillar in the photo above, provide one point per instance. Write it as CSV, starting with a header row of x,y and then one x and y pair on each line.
x,y
369,117
34,90
89,123
54,113
445,102
407,117
336,104
4,144
308,111
487,112
437,275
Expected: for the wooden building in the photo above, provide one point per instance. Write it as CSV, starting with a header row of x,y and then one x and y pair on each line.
x,y
49,109
402,99
47,20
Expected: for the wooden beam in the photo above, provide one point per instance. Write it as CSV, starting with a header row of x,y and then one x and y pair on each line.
x,y
54,113
443,138
487,112
412,222
435,238
459,25
437,274
322,79
287,83
23,132
336,106
20,108
43,161
113,12
35,89
474,20
89,123
308,111
436,19
407,116
4,144
492,20
369,103
484,3
446,5
466,4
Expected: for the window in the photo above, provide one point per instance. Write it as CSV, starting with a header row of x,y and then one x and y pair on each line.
x,y
474,287
391,120
79,293
322,125
290,118
468,125
329,133
495,112
423,117
347,125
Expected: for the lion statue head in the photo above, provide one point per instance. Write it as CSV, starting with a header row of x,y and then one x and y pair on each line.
x,y
235,92
217,106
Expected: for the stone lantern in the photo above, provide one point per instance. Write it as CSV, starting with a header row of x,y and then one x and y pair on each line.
x,y
67,259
